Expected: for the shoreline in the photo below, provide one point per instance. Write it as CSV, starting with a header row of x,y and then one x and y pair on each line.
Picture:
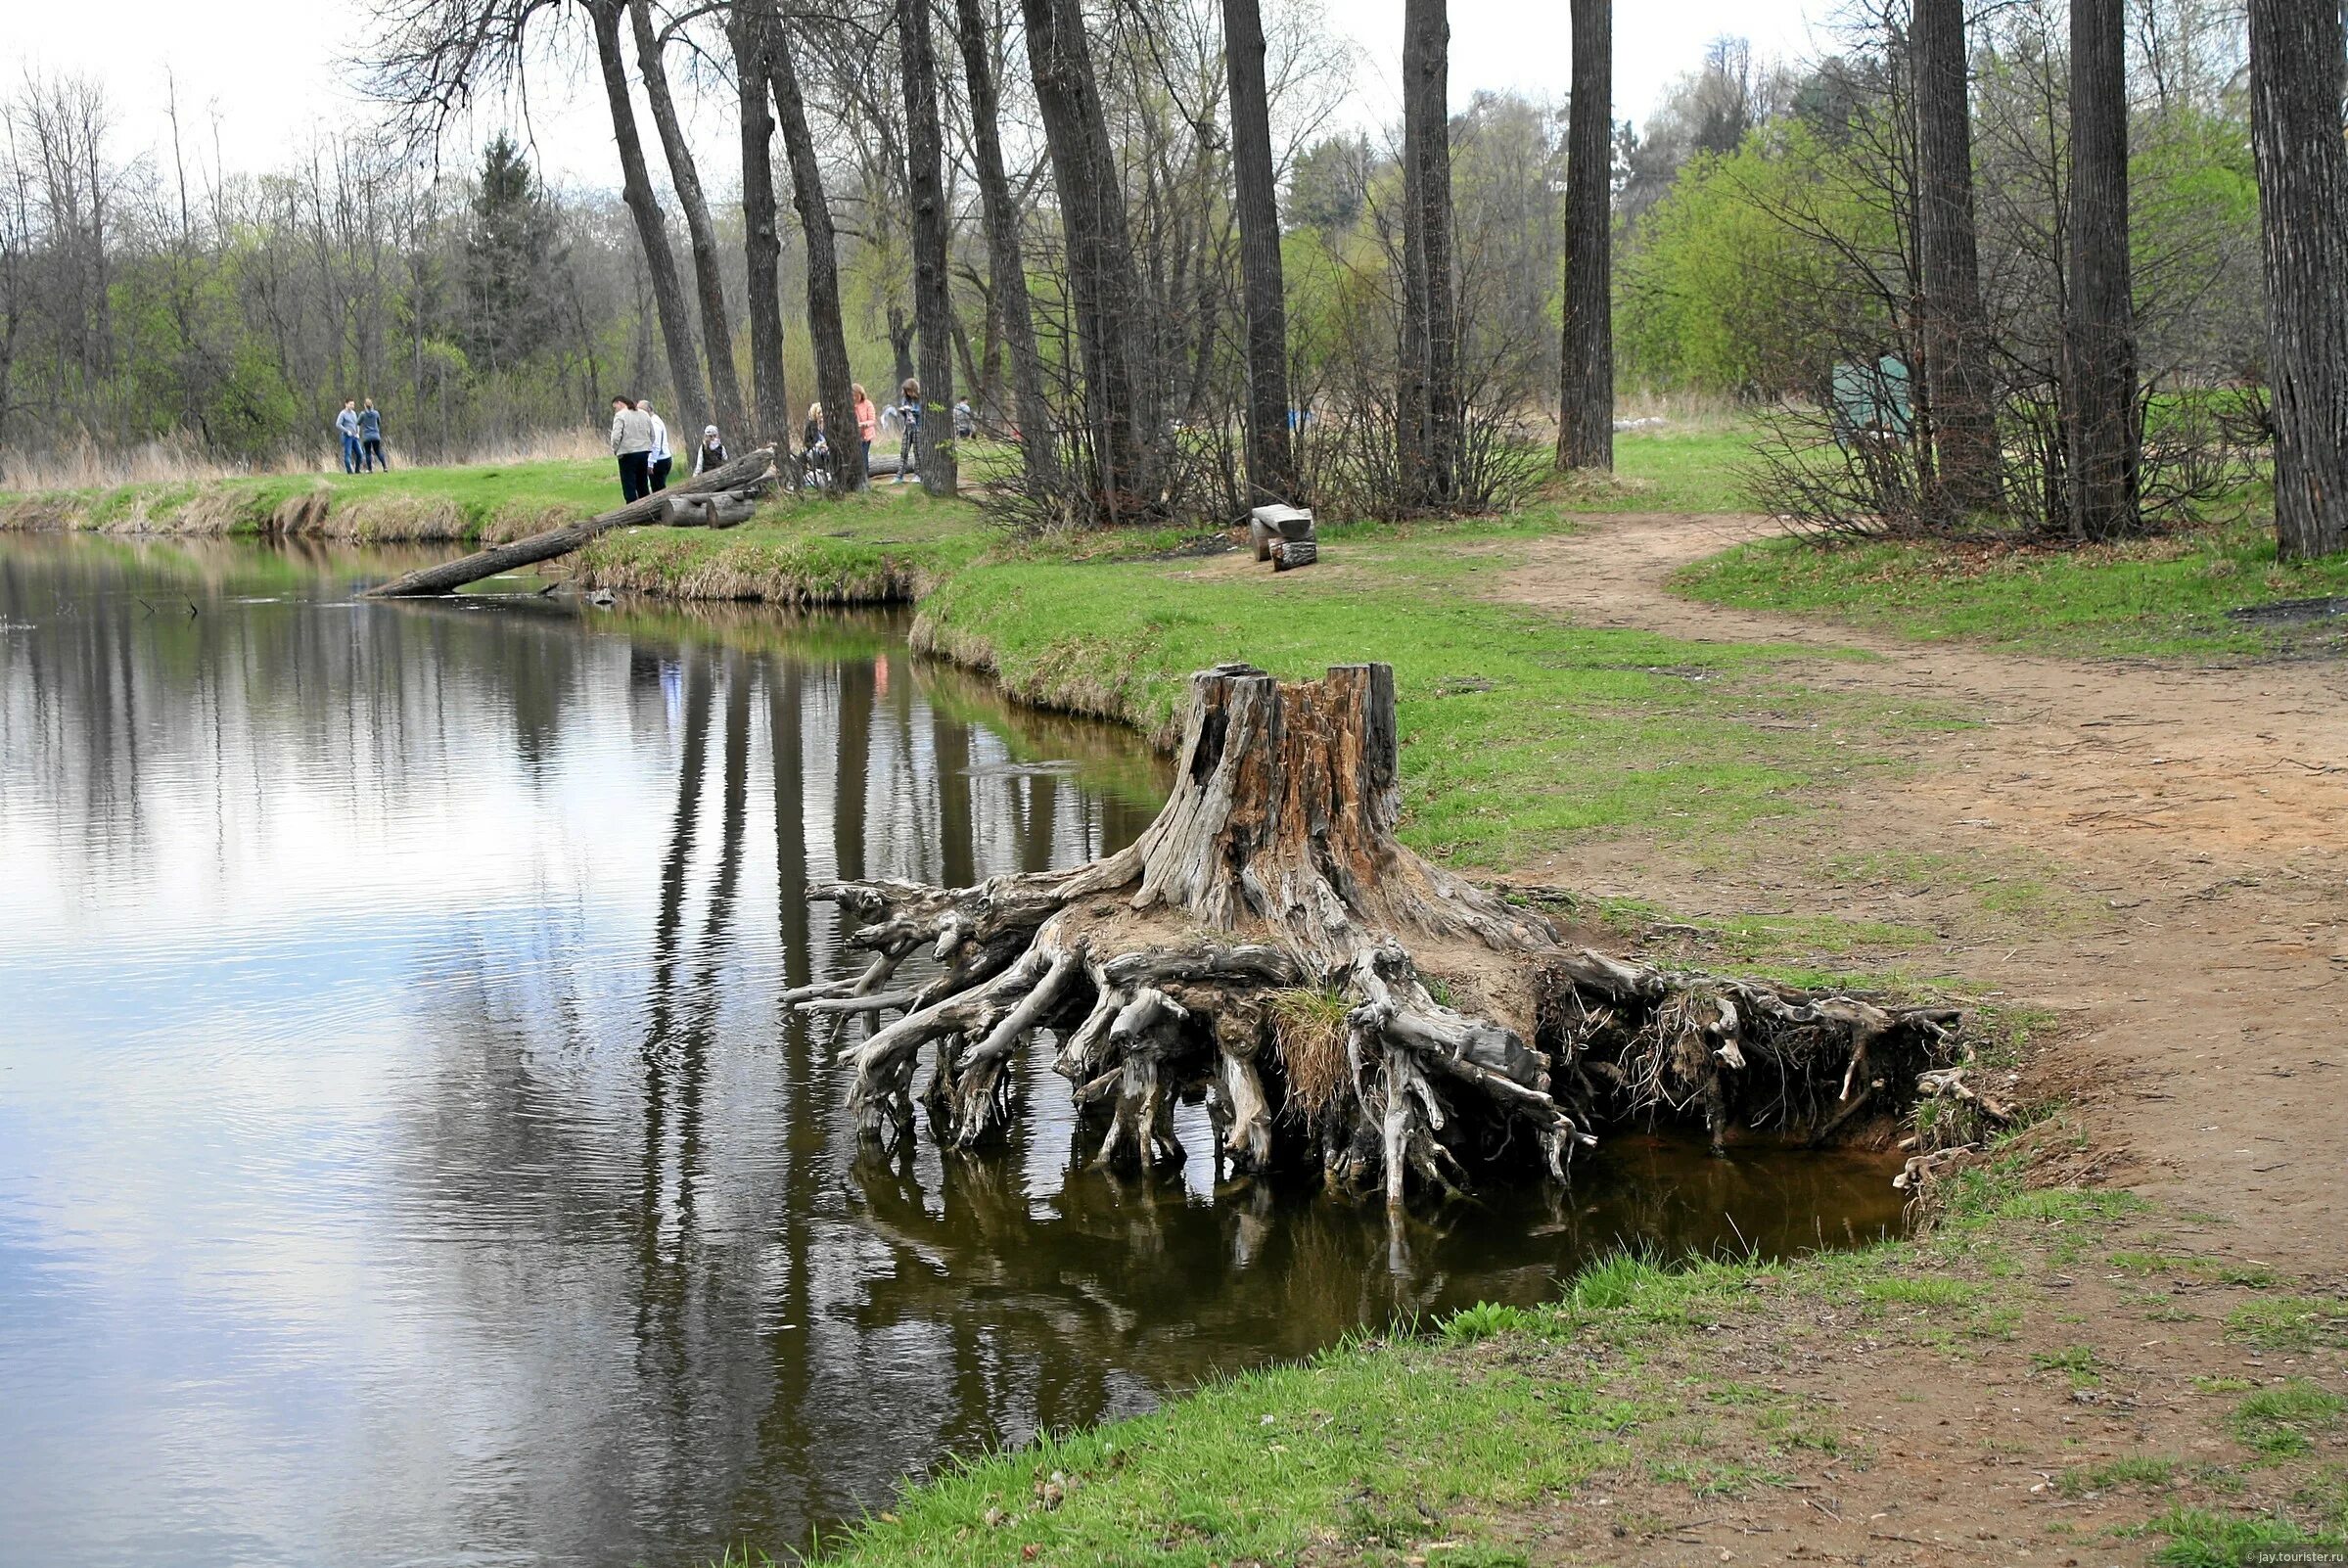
x,y
1651,1396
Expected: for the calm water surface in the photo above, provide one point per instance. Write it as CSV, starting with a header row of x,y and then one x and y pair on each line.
x,y
402,1159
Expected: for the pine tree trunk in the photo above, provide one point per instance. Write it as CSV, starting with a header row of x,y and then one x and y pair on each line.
x,y
1955,331
1432,402
933,301
717,325
1104,286
635,188
1271,464
1585,388
826,338
749,31
1006,262
2296,69
2099,338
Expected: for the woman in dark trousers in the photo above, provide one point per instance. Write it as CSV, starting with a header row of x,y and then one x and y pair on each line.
x,y
631,443
371,439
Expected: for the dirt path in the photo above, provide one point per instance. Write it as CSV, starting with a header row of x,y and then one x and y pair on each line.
x,y
2199,816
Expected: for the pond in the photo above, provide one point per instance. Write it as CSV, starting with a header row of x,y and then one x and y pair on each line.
x,y
403,1157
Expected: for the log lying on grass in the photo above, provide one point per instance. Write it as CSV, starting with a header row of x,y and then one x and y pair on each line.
x,y
450,576
718,509
1269,948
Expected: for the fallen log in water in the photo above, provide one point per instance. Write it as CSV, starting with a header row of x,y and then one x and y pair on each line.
x,y
450,576
1269,948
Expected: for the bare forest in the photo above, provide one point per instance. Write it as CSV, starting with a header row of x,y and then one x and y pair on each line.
x,y
1994,270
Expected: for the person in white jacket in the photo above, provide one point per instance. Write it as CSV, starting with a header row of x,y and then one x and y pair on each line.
x,y
662,457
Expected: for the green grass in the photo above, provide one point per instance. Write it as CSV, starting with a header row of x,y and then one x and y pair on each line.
x,y
1519,731
406,503
2281,1419
2290,1322
1694,469
2159,597
2141,1470
1375,1445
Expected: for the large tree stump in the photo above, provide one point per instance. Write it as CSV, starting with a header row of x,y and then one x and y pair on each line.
x,y
1268,947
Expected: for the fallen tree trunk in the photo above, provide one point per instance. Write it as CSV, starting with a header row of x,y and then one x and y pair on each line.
x,y
450,576
1267,946
719,509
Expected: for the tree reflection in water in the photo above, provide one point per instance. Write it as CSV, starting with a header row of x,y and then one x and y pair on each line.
x,y
405,1155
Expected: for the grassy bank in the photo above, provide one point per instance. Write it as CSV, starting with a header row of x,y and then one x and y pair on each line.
x,y
493,501
2160,597
1645,1401
1519,731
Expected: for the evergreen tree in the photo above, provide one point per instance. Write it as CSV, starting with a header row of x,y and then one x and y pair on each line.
x,y
512,252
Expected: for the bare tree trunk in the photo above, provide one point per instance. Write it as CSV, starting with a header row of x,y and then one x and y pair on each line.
x,y
1432,469
635,188
749,31
2297,66
827,341
1270,466
717,328
1586,373
1954,328
1007,264
2100,335
1106,289
932,291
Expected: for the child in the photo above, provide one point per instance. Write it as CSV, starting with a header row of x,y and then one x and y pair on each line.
x,y
908,420
965,421
710,453
815,454
868,423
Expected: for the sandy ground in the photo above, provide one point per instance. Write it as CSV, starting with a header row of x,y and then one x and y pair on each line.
x,y
2200,818
2202,812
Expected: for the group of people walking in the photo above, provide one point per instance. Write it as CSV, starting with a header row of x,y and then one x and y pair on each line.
x,y
640,440
363,431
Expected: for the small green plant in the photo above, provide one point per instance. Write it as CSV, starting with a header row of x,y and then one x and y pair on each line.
x,y
2078,1360
1485,1319
2279,1420
2289,1322
1469,1554
1920,1290
2200,1539
2142,1470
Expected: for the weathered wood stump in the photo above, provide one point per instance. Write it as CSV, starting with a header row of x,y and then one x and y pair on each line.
x,y
1269,527
1268,947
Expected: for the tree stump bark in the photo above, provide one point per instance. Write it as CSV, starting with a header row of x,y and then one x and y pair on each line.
x,y
1269,948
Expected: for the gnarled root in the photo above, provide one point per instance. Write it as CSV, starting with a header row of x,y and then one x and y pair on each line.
x,y
1249,951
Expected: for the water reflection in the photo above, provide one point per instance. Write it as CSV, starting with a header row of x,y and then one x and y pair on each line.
x,y
402,1156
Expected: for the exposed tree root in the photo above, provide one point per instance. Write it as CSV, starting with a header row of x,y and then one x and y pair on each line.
x,y
1249,951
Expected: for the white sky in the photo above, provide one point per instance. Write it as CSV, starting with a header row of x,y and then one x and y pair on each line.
x,y
269,69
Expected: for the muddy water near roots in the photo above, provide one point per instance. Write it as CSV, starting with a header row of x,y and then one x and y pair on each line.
x,y
402,1156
